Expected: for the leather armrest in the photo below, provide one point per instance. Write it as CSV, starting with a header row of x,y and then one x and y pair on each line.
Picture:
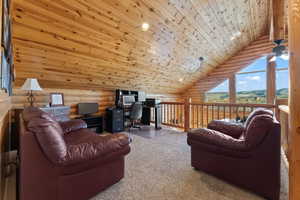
x,y
95,148
216,138
72,125
232,129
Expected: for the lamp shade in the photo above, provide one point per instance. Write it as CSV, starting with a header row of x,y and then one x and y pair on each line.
x,y
31,84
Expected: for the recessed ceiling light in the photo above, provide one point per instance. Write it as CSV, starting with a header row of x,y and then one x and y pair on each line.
x,y
236,35
181,79
145,26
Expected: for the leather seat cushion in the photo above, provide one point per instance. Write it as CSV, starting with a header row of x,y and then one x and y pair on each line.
x,y
72,125
94,163
84,145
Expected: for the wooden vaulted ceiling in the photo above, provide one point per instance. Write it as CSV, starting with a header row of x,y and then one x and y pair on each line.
x,y
255,50
100,44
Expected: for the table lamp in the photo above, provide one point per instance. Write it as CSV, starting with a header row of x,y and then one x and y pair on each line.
x,y
31,84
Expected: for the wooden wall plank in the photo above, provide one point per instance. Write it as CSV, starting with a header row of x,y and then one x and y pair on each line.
x,y
79,43
271,80
5,106
294,97
105,98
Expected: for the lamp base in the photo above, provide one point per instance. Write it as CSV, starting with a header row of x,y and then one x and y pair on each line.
x,y
30,98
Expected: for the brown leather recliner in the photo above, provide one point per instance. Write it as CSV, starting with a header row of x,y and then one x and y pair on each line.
x,y
60,161
247,156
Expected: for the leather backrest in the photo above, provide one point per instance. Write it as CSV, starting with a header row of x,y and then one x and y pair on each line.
x,y
31,112
258,128
48,133
258,111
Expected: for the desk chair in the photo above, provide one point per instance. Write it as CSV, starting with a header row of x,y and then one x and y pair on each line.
x,y
135,116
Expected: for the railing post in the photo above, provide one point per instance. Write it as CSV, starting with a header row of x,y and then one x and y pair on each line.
x,y
186,115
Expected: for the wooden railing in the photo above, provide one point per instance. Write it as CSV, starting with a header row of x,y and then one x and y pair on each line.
x,y
194,115
284,122
172,114
202,114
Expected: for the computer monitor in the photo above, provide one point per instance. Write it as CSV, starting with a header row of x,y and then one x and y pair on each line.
x,y
128,100
141,96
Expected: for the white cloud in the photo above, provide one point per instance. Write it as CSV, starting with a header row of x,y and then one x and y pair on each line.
x,y
285,57
253,78
242,82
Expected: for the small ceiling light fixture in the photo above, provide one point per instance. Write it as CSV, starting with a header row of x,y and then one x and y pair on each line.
x,y
145,26
181,79
236,35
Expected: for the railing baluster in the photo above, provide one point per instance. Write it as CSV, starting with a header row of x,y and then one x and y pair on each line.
x,y
197,116
212,112
173,113
207,115
202,116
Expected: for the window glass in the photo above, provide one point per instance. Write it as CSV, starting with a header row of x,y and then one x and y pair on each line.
x,y
251,88
219,94
282,77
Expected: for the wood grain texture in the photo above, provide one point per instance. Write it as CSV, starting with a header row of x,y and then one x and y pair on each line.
x,y
294,97
271,80
5,106
79,43
105,98
232,89
243,58
279,20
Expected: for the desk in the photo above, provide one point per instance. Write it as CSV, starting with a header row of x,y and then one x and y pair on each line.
x,y
146,117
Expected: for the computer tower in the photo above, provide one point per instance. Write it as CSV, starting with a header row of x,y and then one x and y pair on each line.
x,y
114,120
146,117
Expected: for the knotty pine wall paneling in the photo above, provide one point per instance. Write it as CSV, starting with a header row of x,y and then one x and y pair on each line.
x,y
5,122
105,98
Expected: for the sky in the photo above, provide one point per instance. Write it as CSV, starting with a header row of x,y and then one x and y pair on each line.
x,y
257,81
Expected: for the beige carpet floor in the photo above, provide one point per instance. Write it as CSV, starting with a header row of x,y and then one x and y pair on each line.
x,y
159,169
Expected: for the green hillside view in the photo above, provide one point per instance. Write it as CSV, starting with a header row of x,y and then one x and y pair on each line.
x,y
255,96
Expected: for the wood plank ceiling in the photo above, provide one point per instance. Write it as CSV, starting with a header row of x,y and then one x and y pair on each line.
x,y
255,50
100,44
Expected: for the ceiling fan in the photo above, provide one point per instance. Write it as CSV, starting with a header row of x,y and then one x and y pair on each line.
x,y
280,49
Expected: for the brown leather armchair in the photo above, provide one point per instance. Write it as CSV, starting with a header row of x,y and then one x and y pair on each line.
x,y
60,161
248,156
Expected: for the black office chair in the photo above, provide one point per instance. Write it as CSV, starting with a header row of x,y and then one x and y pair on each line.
x,y
135,116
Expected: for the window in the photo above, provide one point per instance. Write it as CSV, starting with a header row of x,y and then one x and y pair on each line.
x,y
282,77
251,83
219,94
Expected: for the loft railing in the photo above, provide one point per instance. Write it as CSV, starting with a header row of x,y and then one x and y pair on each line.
x,y
202,114
172,114
197,115
283,115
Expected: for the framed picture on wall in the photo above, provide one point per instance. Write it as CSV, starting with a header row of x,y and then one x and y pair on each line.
x,y
56,99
